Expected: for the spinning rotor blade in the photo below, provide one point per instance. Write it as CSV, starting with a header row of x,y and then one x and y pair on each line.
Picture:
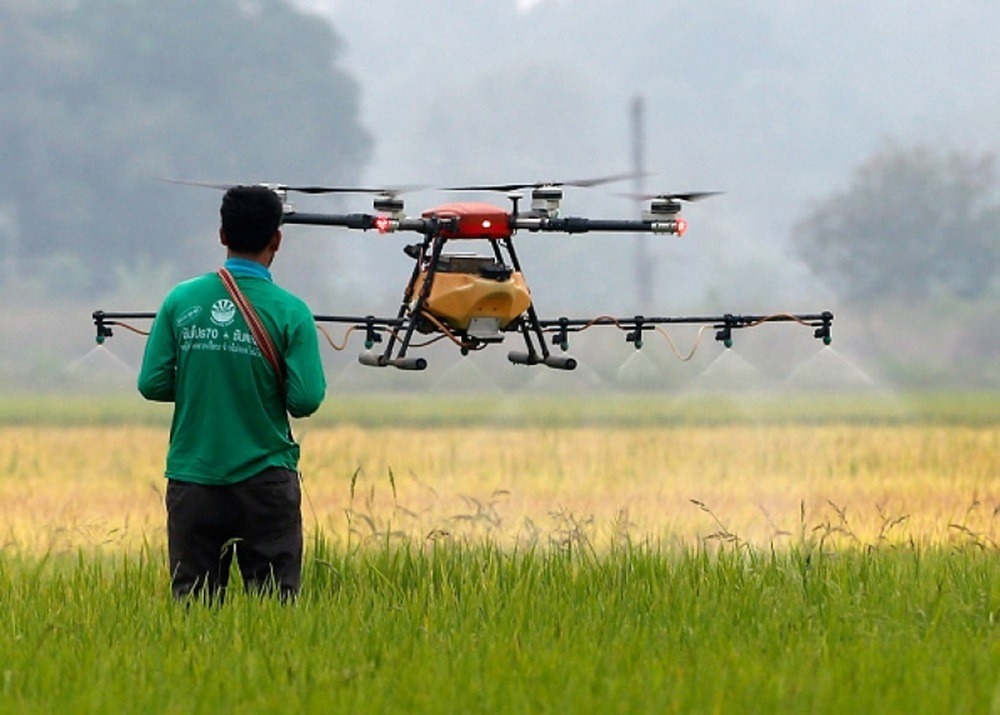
x,y
690,196
382,190
587,183
584,183
204,184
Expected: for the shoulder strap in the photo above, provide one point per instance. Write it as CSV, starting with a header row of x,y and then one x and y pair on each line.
x,y
257,329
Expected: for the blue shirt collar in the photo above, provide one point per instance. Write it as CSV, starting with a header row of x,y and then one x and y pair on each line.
x,y
247,268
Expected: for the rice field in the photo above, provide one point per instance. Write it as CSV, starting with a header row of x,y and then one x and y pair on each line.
x,y
573,558
67,486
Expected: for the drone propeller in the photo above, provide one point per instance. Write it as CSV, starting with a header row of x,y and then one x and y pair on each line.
x,y
690,196
380,191
583,183
204,184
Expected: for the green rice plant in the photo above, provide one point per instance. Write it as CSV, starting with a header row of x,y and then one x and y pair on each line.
x,y
446,625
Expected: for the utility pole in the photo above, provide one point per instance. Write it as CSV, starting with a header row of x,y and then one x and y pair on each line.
x,y
11,240
643,260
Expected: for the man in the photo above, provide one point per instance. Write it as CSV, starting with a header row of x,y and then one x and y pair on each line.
x,y
232,463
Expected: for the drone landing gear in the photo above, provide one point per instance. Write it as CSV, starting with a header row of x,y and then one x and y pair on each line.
x,y
531,329
405,363
559,362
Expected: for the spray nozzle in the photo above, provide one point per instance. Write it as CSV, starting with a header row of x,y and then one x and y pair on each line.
x,y
635,336
103,329
823,332
371,335
561,338
725,332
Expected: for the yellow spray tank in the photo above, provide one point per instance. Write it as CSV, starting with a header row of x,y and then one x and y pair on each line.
x,y
477,295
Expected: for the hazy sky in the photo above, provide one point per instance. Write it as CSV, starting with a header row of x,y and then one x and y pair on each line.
x,y
774,102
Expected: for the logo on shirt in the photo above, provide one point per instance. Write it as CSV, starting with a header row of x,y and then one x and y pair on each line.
x,y
223,311
187,315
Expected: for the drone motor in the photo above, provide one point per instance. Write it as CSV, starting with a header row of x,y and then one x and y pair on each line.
x,y
545,200
662,207
388,204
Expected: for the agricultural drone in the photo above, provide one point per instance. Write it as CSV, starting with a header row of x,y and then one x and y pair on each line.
x,y
476,299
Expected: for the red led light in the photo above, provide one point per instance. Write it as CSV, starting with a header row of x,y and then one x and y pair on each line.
x,y
382,224
682,226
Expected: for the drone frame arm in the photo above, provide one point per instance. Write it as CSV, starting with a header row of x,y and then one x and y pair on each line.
x,y
357,221
430,225
571,224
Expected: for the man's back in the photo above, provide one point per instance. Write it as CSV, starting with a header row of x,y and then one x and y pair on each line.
x,y
230,419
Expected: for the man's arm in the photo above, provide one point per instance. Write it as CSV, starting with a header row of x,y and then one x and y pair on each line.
x,y
305,381
157,376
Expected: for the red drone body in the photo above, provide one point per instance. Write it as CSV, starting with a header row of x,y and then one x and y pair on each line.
x,y
472,219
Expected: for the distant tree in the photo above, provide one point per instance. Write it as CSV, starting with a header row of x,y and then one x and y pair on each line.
x,y
911,221
99,98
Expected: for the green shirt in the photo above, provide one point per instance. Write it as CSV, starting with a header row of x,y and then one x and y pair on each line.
x,y
230,421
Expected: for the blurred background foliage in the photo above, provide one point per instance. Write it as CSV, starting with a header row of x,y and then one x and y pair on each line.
x,y
99,98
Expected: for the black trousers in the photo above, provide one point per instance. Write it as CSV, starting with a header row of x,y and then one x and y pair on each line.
x,y
258,521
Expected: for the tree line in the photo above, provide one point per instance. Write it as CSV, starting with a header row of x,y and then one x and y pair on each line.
x,y
102,98
912,221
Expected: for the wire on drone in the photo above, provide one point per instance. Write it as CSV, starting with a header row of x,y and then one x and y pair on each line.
x,y
610,320
329,338
134,329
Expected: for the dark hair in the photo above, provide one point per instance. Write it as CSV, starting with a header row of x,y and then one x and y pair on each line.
x,y
250,217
